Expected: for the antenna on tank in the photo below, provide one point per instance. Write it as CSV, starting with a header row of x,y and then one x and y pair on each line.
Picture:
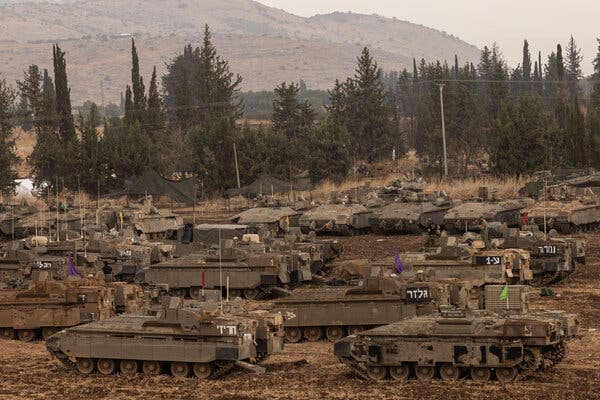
x,y
221,267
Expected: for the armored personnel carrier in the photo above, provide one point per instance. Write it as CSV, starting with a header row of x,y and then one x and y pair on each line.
x,y
334,312
566,216
49,306
455,344
409,217
203,342
468,216
552,258
243,271
344,219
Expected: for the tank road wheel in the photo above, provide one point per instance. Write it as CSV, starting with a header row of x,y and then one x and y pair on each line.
x,y
449,372
203,370
129,367
334,333
400,373
195,292
424,373
85,365
106,366
7,333
180,369
313,333
376,372
480,374
26,335
353,330
293,334
234,293
181,292
48,331
506,375
151,367
251,294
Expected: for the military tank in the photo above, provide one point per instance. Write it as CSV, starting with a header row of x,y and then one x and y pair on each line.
x,y
469,216
455,344
566,216
276,219
143,217
49,306
409,217
344,219
205,342
332,313
240,271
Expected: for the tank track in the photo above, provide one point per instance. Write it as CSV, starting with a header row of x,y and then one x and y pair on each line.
x,y
551,279
542,362
221,368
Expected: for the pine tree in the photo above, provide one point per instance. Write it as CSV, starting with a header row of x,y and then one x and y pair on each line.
x,y
361,105
573,68
31,92
8,156
329,155
90,156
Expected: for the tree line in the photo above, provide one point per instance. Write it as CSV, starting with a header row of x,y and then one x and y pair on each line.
x,y
531,117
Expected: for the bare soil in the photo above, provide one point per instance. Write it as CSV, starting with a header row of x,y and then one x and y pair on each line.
x,y
310,371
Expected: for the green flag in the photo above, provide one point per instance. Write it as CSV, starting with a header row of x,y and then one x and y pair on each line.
x,y
504,293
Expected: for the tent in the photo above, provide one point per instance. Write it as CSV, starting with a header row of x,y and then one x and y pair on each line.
x,y
151,182
265,185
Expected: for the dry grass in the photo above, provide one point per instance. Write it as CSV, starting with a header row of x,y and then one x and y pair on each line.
x,y
505,188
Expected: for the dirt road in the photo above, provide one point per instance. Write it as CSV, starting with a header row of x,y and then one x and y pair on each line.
x,y
309,371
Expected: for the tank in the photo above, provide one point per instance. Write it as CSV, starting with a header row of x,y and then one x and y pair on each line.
x,y
332,313
143,217
409,217
276,219
455,344
552,258
344,219
468,216
564,216
205,342
49,306
243,271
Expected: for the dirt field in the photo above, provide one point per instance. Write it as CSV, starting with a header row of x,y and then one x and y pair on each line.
x,y
309,371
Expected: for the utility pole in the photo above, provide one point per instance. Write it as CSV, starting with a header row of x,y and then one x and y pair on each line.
x,y
441,86
237,170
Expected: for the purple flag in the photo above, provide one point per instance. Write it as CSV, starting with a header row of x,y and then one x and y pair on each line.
x,y
398,262
71,266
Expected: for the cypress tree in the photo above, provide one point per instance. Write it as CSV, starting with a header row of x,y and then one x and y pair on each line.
x,y
154,118
137,85
526,65
66,127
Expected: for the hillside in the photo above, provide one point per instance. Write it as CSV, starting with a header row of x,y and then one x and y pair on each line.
x,y
264,44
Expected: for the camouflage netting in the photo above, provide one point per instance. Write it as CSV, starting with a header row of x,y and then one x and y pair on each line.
x,y
264,185
151,183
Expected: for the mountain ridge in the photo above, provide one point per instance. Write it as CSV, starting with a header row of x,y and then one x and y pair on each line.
x,y
259,41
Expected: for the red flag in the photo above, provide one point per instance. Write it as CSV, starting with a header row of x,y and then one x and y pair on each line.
x,y
202,279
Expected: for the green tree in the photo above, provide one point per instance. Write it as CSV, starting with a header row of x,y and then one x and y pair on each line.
x,y
526,64
8,156
361,105
137,87
329,156
90,155
573,68
595,95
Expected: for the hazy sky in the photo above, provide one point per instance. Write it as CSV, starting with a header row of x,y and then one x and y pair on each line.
x,y
543,22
